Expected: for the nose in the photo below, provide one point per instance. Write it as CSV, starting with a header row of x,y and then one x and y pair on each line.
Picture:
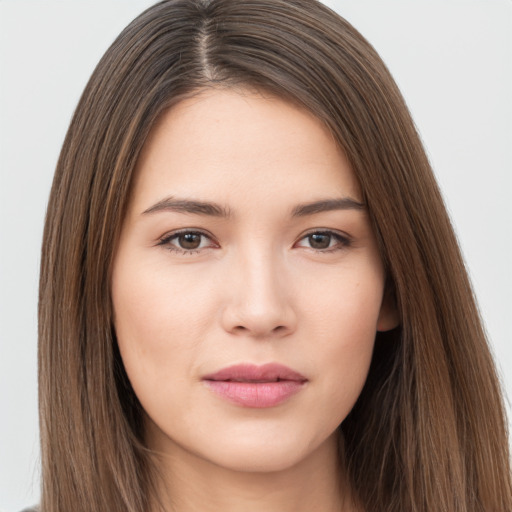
x,y
259,299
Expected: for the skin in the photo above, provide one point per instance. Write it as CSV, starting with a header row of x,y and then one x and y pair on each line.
x,y
258,288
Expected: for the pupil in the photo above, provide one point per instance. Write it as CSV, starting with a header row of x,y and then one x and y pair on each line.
x,y
319,241
189,241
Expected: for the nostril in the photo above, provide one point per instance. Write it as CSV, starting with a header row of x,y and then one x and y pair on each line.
x,y
278,330
259,320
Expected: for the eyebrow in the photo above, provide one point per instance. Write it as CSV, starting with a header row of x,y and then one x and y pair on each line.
x,y
170,204
326,205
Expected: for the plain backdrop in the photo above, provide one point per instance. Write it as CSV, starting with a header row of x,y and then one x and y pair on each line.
x,y
451,58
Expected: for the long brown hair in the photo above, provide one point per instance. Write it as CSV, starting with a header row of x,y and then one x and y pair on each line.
x,y
428,432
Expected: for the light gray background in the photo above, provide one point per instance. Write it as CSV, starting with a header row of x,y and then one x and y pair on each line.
x,y
451,58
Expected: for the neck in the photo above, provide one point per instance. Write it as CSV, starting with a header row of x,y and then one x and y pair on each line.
x,y
189,483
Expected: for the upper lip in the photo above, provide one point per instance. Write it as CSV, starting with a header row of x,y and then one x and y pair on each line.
x,y
271,372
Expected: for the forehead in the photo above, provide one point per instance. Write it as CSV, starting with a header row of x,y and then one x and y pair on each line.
x,y
227,145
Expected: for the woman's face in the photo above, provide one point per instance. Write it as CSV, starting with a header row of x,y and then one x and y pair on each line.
x,y
247,284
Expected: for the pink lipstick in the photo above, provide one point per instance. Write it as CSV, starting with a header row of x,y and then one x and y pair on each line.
x,y
254,386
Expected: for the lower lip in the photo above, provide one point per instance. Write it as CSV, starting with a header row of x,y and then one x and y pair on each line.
x,y
255,394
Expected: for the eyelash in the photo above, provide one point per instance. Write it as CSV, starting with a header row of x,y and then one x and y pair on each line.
x,y
343,241
167,239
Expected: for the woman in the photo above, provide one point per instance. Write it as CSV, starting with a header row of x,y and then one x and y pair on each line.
x,y
251,296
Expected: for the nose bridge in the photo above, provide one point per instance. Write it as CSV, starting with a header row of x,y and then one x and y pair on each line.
x,y
259,299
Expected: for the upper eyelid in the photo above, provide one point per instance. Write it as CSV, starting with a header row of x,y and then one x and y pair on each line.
x,y
326,231
171,234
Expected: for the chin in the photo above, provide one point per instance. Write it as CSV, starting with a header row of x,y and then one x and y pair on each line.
x,y
258,460
262,454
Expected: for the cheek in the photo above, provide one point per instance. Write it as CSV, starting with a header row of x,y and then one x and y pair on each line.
x,y
344,304
342,327
160,322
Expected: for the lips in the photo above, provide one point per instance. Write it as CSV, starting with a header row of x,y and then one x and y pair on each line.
x,y
254,386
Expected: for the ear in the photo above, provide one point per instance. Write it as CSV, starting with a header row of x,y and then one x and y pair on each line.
x,y
388,315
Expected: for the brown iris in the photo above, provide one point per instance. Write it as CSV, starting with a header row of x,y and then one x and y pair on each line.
x,y
319,240
189,240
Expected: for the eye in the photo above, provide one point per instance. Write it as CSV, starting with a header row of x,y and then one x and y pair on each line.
x,y
325,241
187,241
